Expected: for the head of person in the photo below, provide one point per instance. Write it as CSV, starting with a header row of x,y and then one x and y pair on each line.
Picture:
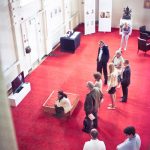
x,y
61,95
101,44
90,85
126,62
111,67
94,134
97,76
118,53
129,131
126,24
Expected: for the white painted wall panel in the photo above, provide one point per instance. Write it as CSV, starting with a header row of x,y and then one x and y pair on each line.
x,y
8,55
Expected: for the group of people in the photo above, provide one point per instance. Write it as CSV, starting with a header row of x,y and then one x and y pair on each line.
x,y
118,74
118,71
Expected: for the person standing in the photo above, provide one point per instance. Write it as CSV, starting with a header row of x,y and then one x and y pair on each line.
x,y
91,106
98,81
102,59
126,31
118,60
133,141
112,83
94,143
125,80
118,63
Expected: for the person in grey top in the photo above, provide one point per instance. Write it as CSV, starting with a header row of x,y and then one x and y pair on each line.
x,y
133,142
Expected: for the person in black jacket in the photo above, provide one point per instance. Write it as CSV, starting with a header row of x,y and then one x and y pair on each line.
x,y
102,59
125,81
91,106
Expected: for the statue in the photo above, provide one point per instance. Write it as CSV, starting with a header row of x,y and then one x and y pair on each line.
x,y
127,13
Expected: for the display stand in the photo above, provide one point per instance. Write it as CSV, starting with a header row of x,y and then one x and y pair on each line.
x,y
16,98
122,22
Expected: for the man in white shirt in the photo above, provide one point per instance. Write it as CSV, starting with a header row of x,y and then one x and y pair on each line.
x,y
94,143
133,142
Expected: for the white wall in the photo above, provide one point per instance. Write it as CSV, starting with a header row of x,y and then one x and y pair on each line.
x,y
28,24
8,55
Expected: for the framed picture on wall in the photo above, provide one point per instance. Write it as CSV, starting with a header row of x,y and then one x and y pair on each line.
x,y
147,4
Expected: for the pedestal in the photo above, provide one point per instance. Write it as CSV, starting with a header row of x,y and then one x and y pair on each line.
x,y
16,98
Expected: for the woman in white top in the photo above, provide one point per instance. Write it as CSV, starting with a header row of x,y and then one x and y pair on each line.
x,y
62,104
112,83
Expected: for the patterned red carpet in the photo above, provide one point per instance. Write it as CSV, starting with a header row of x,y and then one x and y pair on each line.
x,y
35,130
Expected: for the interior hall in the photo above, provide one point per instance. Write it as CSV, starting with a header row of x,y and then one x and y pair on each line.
x,y
49,47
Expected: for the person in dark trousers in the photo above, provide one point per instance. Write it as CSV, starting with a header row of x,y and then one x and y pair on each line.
x,y
125,81
91,106
102,59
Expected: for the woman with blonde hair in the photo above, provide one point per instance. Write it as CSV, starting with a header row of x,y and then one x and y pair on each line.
x,y
112,83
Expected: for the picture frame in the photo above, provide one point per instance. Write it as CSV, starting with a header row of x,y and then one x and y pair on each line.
x,y
147,4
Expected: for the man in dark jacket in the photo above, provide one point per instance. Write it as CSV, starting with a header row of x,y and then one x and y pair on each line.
x,y
102,59
125,81
91,106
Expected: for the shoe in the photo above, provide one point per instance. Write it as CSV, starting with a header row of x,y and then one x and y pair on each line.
x,y
57,116
118,86
109,105
123,101
111,108
84,130
105,83
95,126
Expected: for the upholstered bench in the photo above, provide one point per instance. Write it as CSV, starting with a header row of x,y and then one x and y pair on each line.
x,y
48,105
69,44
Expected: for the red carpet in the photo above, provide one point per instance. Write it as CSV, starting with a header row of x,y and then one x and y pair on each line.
x,y
37,131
